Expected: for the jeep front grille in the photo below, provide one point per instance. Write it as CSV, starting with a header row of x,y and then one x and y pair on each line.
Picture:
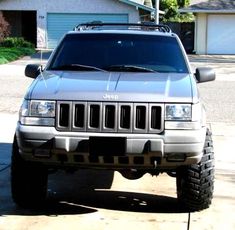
x,y
109,117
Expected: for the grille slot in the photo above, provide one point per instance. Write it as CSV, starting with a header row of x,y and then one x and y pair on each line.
x,y
156,113
64,115
79,158
125,117
79,116
140,122
63,121
110,117
94,113
138,160
108,159
123,160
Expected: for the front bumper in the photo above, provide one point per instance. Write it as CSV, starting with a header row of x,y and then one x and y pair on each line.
x,y
167,150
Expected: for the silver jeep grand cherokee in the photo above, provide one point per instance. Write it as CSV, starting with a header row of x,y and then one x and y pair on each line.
x,y
119,97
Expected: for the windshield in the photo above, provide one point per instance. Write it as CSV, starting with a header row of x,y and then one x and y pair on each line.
x,y
119,52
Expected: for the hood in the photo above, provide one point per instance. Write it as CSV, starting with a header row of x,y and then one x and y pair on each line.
x,y
113,86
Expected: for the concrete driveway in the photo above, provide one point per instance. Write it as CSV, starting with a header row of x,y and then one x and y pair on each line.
x,y
147,203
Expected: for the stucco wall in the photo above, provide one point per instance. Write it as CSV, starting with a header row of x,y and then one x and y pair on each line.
x,y
201,34
67,6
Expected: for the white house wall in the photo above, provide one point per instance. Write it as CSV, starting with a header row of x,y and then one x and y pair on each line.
x,y
201,34
67,6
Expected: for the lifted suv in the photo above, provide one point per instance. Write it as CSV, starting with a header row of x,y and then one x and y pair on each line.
x,y
119,97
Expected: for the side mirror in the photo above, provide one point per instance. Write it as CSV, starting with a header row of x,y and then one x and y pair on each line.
x,y
204,74
32,70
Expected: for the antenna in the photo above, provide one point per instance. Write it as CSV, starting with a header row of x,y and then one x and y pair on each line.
x,y
40,69
41,57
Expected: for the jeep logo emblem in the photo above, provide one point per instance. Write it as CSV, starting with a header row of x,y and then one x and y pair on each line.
x,y
110,97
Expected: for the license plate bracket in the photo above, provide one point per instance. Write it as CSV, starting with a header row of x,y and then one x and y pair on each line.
x,y
107,146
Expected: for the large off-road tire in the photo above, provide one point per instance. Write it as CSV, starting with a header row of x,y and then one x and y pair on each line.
x,y
28,181
195,183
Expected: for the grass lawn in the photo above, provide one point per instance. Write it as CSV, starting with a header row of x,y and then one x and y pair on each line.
x,y
11,54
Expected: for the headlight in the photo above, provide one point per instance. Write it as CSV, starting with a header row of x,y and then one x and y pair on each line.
x,y
35,112
42,109
178,112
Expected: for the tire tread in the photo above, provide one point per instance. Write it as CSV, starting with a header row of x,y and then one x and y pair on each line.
x,y
195,183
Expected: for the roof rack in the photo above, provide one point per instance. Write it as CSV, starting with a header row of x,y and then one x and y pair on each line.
x,y
128,26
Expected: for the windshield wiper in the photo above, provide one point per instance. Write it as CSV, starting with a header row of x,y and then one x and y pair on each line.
x,y
77,67
128,68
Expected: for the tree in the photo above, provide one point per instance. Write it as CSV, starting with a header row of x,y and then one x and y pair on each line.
x,y
171,8
183,3
4,27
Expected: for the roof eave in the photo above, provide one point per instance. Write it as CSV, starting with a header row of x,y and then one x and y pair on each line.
x,y
206,11
143,7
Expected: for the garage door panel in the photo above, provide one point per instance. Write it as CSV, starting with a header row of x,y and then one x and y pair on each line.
x,y
221,34
58,24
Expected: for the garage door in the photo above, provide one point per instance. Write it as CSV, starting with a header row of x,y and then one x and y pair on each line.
x,y
58,24
221,34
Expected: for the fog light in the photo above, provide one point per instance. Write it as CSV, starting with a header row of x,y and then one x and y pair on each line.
x,y
176,157
42,153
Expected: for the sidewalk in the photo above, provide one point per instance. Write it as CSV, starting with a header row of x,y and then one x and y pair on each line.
x,y
8,125
41,57
211,58
223,65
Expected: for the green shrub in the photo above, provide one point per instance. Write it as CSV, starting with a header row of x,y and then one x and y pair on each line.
x,y
14,53
16,42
